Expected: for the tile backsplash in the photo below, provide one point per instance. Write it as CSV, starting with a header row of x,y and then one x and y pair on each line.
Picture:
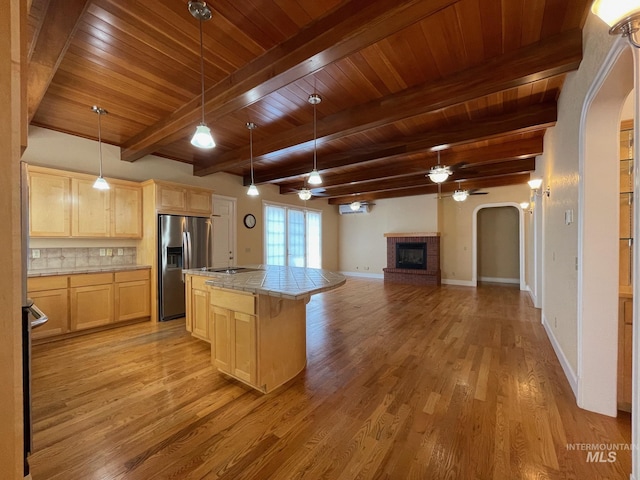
x,y
41,258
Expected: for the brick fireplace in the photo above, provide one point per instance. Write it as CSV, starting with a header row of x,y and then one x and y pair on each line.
x,y
413,258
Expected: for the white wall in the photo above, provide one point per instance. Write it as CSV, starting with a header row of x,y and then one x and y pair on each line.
x,y
363,247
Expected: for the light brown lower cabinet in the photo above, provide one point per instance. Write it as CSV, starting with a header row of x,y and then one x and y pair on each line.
x,y
197,306
132,295
234,345
50,294
80,302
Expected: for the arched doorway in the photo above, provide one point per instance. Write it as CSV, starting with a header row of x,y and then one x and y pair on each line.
x,y
475,252
598,224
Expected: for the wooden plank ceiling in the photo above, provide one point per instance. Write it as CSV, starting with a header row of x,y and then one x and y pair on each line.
x,y
399,80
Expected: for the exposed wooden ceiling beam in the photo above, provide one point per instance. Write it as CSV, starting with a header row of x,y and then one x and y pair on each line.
x,y
48,49
432,189
355,25
517,149
536,117
550,57
418,180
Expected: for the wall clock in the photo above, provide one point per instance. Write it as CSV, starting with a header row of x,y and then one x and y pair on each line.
x,y
249,220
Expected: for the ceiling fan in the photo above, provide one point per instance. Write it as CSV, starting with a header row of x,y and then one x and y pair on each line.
x,y
306,193
460,195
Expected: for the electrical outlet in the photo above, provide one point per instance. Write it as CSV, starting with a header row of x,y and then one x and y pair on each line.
x,y
120,251
109,252
35,253
102,252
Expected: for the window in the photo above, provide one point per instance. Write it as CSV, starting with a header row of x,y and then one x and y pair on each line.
x,y
292,236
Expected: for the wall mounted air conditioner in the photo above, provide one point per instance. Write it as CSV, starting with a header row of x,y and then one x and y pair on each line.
x,y
346,209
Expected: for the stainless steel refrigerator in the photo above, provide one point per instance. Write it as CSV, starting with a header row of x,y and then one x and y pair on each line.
x,y
184,242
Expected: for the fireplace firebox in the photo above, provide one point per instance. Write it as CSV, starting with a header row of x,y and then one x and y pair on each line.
x,y
412,256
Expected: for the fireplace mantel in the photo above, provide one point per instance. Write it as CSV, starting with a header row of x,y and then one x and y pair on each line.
x,y
430,275
413,234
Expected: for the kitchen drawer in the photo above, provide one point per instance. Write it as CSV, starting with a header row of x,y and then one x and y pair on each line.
x,y
37,284
232,300
132,275
198,282
627,307
89,279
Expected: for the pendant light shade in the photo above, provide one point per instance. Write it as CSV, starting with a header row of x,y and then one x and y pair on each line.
x,y
253,190
100,183
314,176
355,206
202,137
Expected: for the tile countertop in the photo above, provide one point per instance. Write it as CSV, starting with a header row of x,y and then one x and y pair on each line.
x,y
44,272
294,283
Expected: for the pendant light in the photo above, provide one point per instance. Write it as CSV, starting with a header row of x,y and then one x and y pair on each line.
x,y
314,176
202,137
253,190
439,173
100,183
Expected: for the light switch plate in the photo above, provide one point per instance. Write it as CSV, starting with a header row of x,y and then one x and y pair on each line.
x,y
35,253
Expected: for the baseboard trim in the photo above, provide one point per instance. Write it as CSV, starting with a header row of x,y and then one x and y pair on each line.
x,y
364,275
500,280
564,363
459,283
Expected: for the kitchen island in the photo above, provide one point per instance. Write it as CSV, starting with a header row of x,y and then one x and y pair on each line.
x,y
255,318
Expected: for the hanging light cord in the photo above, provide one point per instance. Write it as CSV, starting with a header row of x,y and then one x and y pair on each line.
x,y
315,137
100,140
251,151
201,70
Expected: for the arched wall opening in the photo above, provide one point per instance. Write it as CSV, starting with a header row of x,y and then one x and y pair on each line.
x,y
598,244
521,253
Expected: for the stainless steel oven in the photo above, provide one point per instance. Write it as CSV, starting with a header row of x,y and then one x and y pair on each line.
x,y
32,317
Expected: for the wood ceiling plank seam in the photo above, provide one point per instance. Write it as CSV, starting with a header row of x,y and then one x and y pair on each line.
x,y
55,34
492,27
35,20
282,68
83,68
512,12
577,12
417,60
252,20
352,81
531,30
141,70
295,11
444,38
555,12
272,18
389,75
500,74
469,19
379,88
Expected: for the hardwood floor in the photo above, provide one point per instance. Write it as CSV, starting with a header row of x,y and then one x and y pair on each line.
x,y
402,382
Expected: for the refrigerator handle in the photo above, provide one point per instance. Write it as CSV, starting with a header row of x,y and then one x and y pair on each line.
x,y
186,250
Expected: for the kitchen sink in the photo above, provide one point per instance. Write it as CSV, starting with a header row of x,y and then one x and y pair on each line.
x,y
232,270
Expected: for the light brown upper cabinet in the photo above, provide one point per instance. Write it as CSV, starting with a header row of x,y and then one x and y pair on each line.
x,y
65,204
90,213
126,211
50,205
182,199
